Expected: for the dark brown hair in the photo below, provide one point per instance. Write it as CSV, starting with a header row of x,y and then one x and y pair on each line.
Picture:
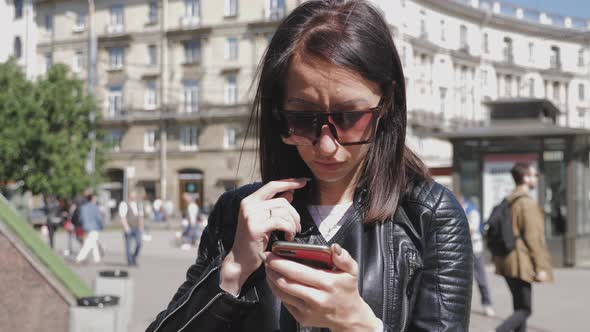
x,y
351,34
518,172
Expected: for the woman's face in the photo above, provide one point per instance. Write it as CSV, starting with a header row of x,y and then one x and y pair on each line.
x,y
316,85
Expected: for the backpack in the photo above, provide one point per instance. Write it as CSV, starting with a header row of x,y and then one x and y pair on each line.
x,y
500,238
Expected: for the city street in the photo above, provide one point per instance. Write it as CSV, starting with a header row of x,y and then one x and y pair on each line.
x,y
557,307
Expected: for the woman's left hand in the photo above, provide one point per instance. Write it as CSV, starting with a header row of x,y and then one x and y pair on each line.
x,y
321,298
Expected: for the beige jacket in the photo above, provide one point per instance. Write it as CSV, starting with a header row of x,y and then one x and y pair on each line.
x,y
530,255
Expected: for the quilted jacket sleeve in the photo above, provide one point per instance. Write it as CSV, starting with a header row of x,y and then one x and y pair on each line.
x,y
444,299
199,301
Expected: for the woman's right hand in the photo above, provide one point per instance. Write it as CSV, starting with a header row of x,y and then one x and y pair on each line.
x,y
260,214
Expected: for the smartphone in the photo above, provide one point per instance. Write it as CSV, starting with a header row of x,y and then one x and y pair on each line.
x,y
316,256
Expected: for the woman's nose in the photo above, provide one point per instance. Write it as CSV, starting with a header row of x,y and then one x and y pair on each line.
x,y
327,143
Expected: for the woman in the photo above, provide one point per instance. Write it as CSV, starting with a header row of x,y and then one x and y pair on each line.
x,y
332,116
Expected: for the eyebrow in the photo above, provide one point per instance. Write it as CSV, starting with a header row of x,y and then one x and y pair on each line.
x,y
310,103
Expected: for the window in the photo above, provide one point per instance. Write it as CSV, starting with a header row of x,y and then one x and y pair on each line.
x,y
442,97
486,43
554,60
189,138
531,87
556,91
443,30
423,31
151,94
508,86
150,140
115,101
581,92
192,52
18,8
231,49
463,37
276,9
48,61
531,52
116,58
231,8
49,23
508,54
78,63
191,96
18,47
80,23
117,18
113,139
484,77
192,8
231,90
229,138
581,57
153,13
152,55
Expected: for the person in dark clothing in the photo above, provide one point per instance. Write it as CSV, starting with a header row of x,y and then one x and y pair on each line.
x,y
54,216
331,111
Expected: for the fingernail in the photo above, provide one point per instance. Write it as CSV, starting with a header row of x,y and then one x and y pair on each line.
x,y
303,179
337,248
262,257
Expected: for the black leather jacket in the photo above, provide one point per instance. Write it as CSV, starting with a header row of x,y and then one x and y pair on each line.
x,y
415,270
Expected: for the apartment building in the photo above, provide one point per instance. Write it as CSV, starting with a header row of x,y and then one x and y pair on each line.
x,y
458,54
174,77
173,83
18,37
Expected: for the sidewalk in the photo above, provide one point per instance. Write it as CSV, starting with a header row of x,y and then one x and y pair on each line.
x,y
558,307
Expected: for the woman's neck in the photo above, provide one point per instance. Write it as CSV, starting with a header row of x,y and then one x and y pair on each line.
x,y
333,193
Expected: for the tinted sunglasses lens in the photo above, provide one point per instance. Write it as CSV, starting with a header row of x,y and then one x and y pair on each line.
x,y
299,129
350,127
354,127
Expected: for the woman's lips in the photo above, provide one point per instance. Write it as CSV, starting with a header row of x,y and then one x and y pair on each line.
x,y
328,166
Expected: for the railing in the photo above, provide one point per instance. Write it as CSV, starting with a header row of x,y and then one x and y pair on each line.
x,y
190,21
114,29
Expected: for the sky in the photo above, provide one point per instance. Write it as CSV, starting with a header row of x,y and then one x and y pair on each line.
x,y
576,8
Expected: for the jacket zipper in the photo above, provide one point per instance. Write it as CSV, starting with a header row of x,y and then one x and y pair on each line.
x,y
188,297
410,256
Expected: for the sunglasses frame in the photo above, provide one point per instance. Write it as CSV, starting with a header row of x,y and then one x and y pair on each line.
x,y
317,114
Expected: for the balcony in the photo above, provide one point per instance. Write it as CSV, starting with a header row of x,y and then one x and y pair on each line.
x,y
555,63
508,56
190,22
115,29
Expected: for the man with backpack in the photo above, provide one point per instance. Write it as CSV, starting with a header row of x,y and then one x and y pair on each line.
x,y
522,258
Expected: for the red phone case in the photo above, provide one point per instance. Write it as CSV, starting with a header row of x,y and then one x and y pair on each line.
x,y
313,256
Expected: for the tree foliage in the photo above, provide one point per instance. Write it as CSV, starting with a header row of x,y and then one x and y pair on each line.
x,y
44,131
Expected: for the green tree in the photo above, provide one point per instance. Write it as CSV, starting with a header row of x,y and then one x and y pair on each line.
x,y
51,145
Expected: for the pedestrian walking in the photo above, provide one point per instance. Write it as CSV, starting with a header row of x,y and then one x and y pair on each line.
x,y
479,272
330,113
190,222
529,261
92,223
131,214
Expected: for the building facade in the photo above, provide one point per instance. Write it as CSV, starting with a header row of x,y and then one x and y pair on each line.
x,y
19,35
174,85
174,77
458,54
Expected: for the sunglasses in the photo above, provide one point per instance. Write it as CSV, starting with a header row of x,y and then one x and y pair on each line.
x,y
347,127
